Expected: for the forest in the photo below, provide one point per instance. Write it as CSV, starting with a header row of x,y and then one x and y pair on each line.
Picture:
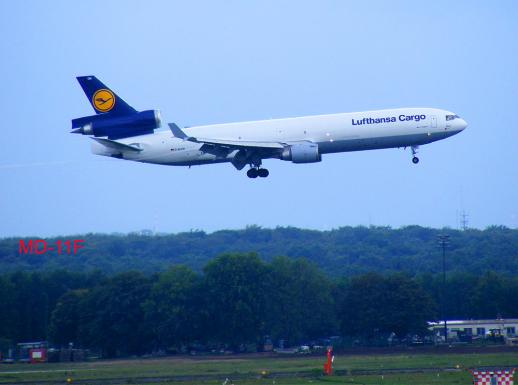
x,y
346,251
237,299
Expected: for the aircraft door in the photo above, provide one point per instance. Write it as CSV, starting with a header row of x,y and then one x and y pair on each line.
x,y
433,121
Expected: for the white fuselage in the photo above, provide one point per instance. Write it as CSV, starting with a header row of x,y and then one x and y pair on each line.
x,y
343,132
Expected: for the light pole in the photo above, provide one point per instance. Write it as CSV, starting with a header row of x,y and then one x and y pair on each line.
x,y
443,242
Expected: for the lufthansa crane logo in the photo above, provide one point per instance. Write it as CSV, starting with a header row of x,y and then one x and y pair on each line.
x,y
103,100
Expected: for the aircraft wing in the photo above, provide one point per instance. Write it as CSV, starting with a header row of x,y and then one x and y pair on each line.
x,y
117,145
239,143
177,132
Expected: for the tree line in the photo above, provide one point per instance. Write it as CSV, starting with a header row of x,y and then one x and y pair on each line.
x,y
345,251
236,299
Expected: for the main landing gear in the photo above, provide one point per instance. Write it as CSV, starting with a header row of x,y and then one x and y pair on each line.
x,y
255,172
415,159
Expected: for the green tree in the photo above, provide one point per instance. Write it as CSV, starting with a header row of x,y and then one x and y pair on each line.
x,y
8,313
375,305
171,310
112,316
510,297
235,301
488,295
300,301
66,316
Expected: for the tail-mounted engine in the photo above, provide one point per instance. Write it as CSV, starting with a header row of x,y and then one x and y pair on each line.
x,y
118,126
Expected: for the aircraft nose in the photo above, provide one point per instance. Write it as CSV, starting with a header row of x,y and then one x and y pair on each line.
x,y
460,124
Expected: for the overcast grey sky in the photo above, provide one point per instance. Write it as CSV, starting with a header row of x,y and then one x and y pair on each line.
x,y
206,62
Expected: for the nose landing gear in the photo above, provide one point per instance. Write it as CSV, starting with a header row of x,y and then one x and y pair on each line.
x,y
415,159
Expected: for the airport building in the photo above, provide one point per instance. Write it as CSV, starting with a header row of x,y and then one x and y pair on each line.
x,y
477,329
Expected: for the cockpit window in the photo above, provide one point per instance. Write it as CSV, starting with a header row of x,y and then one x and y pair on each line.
x,y
451,117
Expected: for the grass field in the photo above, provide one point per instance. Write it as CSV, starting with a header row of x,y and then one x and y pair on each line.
x,y
388,369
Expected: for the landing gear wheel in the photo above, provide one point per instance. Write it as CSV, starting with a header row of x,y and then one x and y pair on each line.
x,y
263,173
415,159
252,173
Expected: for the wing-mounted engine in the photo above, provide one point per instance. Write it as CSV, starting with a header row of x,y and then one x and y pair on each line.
x,y
118,126
306,152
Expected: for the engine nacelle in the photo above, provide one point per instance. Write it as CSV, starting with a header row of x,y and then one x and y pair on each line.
x,y
301,153
118,126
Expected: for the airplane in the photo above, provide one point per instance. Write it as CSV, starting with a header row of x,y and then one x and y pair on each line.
x,y
120,131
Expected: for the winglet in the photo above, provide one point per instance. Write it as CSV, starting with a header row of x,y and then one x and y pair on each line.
x,y
178,133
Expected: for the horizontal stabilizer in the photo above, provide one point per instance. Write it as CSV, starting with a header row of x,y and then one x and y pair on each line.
x,y
117,145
